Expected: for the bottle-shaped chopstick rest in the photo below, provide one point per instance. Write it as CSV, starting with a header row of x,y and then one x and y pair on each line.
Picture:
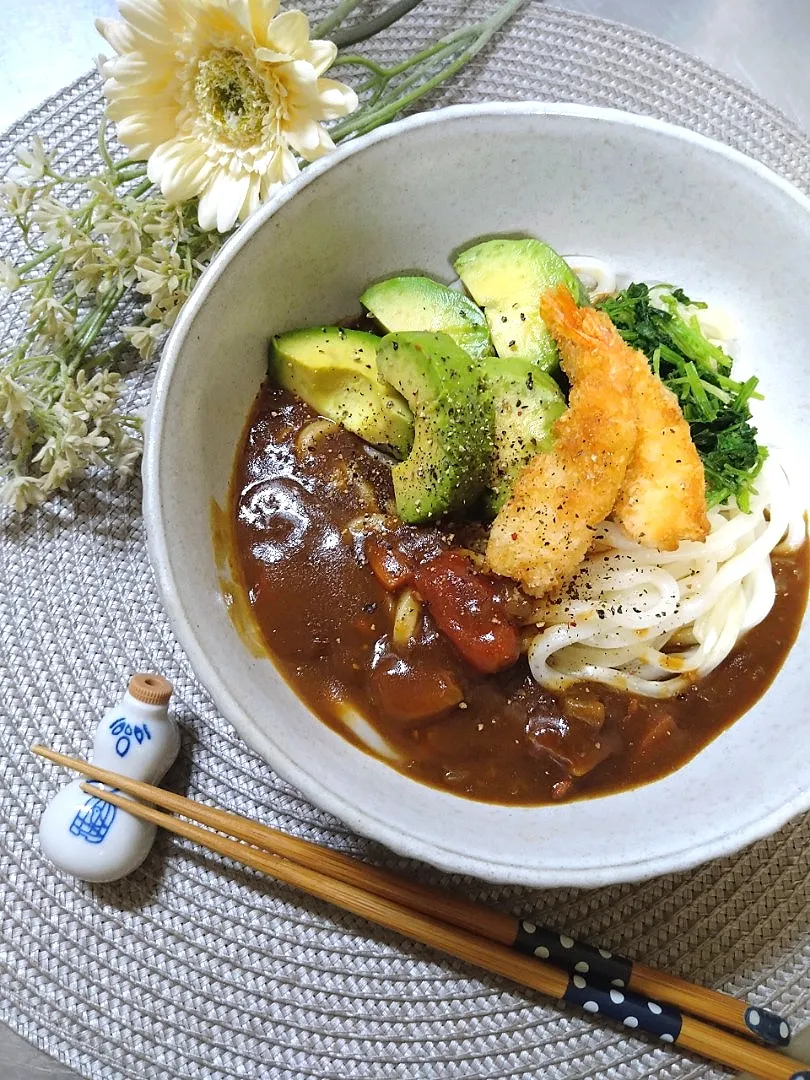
x,y
89,838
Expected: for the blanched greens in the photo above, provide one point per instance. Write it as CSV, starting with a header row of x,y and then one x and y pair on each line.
x,y
657,321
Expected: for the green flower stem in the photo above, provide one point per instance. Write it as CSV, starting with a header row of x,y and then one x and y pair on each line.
x,y
41,257
28,339
342,11
128,162
89,329
26,364
415,78
106,157
355,60
362,31
111,355
374,97
412,61
141,189
122,171
381,80
365,120
132,173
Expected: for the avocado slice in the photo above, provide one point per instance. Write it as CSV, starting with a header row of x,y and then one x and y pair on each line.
x,y
451,460
419,303
507,278
526,403
335,372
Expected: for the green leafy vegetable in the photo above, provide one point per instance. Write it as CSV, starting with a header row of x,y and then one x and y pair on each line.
x,y
657,321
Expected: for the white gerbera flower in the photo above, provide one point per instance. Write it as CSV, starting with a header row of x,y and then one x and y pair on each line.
x,y
220,96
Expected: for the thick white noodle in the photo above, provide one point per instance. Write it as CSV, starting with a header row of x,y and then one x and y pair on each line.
x,y
717,324
653,622
366,733
597,276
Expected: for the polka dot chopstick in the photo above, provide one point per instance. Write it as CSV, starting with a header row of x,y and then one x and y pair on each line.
x,y
618,973
454,926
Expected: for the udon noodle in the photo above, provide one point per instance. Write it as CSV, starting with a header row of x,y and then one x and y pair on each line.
x,y
654,622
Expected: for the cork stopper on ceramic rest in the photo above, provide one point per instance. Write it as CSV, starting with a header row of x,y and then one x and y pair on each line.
x,y
150,689
83,835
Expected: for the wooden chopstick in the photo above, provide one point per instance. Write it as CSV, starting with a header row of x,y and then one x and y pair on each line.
x,y
693,1034
615,971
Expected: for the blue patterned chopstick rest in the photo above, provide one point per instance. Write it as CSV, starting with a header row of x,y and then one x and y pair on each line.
x,y
637,1013
89,838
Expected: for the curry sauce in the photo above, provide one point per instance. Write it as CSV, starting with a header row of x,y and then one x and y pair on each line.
x,y
332,579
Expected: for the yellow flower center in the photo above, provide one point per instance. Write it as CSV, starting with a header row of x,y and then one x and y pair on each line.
x,y
233,97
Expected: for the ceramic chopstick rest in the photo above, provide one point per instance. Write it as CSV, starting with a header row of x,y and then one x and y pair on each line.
x,y
89,838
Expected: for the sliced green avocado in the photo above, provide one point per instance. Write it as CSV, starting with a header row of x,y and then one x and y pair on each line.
x,y
526,403
451,460
419,303
335,372
507,278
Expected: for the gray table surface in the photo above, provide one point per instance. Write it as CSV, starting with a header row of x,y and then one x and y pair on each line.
x,y
762,43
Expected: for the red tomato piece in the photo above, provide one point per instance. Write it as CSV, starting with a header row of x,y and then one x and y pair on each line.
x,y
466,607
391,567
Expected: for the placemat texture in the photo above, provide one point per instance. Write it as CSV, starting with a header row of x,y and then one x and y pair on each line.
x,y
193,968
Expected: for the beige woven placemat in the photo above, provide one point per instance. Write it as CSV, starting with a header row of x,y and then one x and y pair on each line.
x,y
195,969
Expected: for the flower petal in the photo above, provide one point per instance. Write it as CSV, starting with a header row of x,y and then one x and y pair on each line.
x,y
273,177
222,200
152,129
207,207
269,56
252,198
152,18
135,68
117,34
289,166
305,137
337,99
321,54
327,142
288,33
179,168
315,148
239,10
262,13
298,76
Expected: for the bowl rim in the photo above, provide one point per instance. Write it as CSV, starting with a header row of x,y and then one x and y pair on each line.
x,y
364,822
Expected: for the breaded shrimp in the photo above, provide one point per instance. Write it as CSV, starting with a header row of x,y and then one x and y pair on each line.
x,y
663,498
543,531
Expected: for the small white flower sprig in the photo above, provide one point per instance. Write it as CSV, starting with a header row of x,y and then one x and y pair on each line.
x,y
219,103
60,384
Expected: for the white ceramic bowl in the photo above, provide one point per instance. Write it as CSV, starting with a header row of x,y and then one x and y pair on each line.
x,y
656,201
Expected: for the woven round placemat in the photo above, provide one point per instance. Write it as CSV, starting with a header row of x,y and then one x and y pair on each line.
x,y
194,968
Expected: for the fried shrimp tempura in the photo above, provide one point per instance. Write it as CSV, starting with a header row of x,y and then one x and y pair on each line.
x,y
663,498
543,531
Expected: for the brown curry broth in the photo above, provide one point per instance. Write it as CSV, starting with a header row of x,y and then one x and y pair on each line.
x,y
327,623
